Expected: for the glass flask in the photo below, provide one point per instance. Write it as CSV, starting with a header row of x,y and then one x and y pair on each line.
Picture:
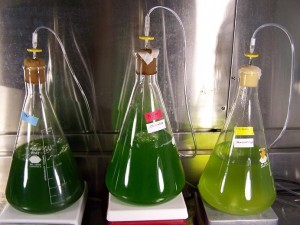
x,y
237,178
43,177
145,168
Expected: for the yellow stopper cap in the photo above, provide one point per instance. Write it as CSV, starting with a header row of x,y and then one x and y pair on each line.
x,y
146,38
34,50
251,55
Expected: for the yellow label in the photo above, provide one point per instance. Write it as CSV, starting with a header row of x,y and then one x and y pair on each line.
x,y
243,131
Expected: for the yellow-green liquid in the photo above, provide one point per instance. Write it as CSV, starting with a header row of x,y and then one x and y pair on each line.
x,y
236,182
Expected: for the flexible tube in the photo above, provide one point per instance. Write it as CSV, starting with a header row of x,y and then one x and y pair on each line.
x,y
252,48
34,45
287,189
146,32
288,203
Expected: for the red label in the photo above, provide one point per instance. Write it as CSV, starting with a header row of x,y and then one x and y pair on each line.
x,y
155,115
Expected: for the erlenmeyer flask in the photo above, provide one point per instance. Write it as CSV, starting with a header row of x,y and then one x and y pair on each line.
x,y
145,167
237,178
43,176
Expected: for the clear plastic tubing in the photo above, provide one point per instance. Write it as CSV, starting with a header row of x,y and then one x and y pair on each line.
x,y
146,32
34,45
252,47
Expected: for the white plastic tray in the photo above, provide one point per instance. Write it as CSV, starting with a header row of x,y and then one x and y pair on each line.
x,y
172,210
71,215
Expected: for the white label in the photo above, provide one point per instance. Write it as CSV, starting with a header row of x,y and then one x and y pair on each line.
x,y
243,143
156,126
35,159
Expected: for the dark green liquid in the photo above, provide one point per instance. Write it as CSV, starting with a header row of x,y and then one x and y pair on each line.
x,y
237,182
148,171
44,186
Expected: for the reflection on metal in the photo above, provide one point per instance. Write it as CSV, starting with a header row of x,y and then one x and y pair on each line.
x,y
105,33
109,54
11,100
212,57
4,170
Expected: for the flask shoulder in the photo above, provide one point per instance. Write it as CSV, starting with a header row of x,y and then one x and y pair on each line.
x,y
245,110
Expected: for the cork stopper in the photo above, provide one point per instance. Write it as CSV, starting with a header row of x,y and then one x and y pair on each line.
x,y
34,70
249,75
146,61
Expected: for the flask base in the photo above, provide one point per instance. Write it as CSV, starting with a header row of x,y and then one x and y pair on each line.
x,y
71,215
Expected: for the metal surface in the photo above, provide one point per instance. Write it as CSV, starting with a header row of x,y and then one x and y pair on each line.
x,y
5,165
100,37
287,209
284,211
215,217
105,33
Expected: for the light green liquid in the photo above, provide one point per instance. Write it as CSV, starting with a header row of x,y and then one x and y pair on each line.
x,y
46,186
237,182
148,171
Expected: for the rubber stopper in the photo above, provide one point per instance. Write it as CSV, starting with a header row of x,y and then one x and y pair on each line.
x,y
35,70
249,75
143,67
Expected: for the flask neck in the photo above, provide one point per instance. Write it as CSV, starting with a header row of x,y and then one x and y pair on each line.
x,y
35,82
245,109
245,92
35,89
146,79
247,98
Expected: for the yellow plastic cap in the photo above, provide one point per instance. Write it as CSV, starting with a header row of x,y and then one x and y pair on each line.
x,y
34,50
251,55
146,38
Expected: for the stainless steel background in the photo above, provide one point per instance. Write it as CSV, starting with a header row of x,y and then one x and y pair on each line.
x,y
100,37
